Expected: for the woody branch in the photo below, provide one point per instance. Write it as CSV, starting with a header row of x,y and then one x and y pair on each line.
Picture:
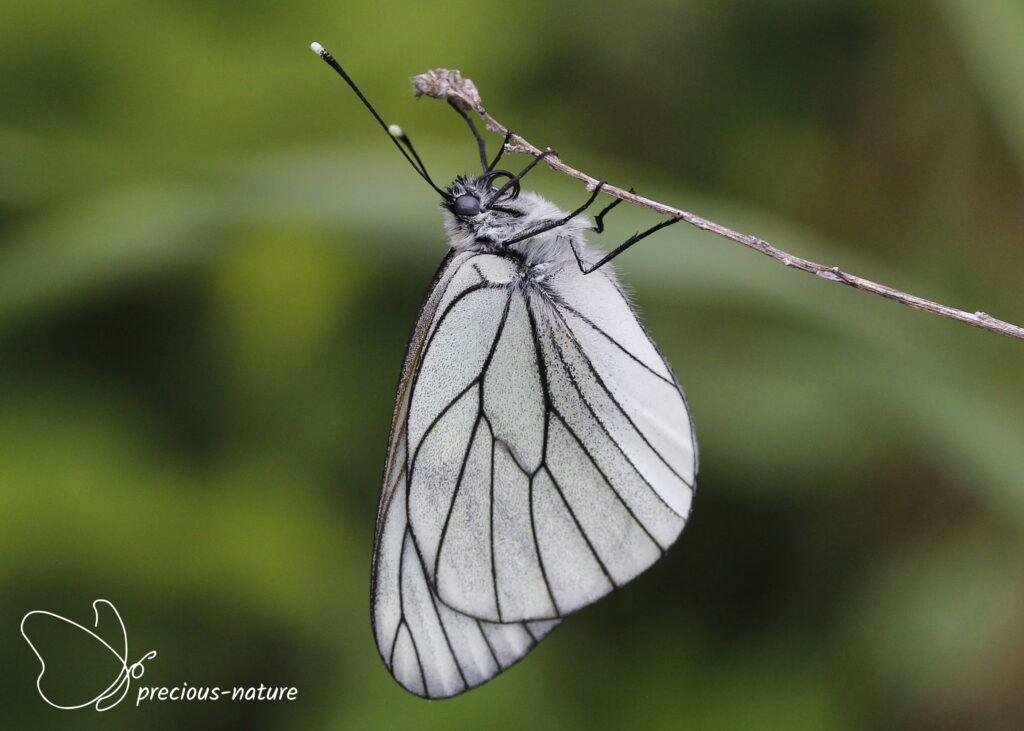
x,y
462,92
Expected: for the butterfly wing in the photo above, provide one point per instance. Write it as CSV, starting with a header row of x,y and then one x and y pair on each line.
x,y
542,454
431,649
552,456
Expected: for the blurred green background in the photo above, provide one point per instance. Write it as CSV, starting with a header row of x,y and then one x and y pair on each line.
x,y
211,258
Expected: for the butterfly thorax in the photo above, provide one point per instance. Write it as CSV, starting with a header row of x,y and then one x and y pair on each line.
x,y
503,216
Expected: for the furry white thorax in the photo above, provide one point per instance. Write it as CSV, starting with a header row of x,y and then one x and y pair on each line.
x,y
489,229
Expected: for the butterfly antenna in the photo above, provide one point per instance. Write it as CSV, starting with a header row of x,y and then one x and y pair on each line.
x,y
394,131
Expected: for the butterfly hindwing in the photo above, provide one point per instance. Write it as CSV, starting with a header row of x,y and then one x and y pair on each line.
x,y
430,649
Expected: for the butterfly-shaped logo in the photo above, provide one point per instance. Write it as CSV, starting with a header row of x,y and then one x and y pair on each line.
x,y
48,623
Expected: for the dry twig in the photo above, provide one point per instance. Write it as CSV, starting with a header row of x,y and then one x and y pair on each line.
x,y
462,92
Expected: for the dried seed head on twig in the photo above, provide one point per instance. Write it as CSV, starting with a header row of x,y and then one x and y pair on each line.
x,y
451,85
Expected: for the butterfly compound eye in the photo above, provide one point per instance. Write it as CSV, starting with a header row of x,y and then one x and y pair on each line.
x,y
467,205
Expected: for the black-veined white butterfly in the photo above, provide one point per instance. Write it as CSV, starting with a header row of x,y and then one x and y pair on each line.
x,y
541,450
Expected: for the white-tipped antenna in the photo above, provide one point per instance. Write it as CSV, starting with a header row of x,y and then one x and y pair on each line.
x,y
394,131
399,134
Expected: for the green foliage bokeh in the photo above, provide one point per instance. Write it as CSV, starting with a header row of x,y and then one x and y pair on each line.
x,y
210,259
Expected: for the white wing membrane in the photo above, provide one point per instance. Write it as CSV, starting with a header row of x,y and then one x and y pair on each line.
x,y
462,340
639,410
513,378
602,301
430,649
615,534
541,455
522,588
441,470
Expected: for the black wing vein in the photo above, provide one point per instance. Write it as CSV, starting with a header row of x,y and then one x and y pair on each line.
x,y
579,527
613,341
542,370
626,457
597,377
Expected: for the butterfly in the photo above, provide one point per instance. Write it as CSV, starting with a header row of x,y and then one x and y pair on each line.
x,y
542,451
116,687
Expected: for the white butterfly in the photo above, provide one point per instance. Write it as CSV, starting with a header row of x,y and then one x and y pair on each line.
x,y
541,450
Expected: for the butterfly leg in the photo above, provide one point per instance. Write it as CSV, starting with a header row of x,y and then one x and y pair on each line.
x,y
620,248
481,145
513,180
548,225
501,151
598,226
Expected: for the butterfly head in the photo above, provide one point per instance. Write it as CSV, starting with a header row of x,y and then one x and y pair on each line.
x,y
481,208
483,195
485,213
